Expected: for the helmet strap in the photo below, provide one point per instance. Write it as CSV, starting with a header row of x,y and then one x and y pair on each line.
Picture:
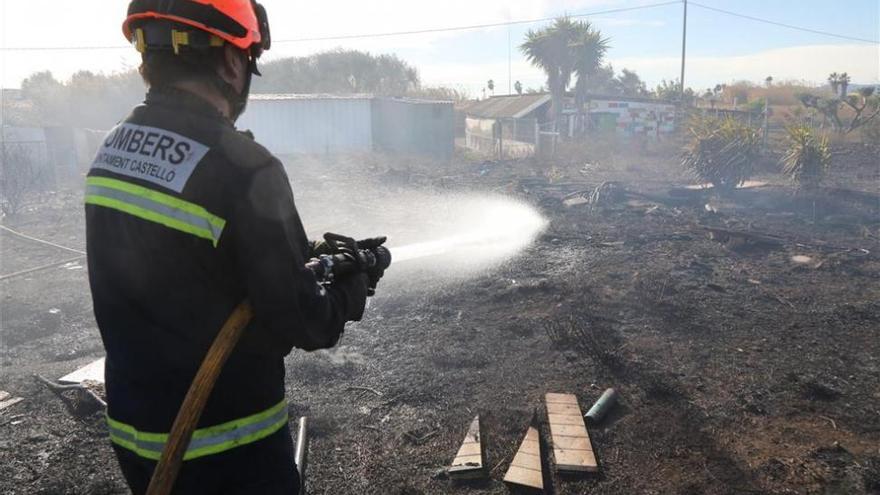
x,y
237,101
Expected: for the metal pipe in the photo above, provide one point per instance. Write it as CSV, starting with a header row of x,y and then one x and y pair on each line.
x,y
601,407
301,453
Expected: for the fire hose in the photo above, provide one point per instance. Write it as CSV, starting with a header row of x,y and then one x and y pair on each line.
x,y
347,258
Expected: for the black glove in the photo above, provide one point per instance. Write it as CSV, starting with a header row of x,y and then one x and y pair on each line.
x,y
374,274
355,290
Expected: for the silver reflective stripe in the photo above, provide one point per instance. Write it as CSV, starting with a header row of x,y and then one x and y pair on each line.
x,y
232,436
156,207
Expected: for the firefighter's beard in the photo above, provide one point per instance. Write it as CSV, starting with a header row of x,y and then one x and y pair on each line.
x,y
238,102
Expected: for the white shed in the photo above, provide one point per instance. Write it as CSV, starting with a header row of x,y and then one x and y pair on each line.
x,y
310,124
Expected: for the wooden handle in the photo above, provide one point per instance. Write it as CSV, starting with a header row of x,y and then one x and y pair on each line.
x,y
196,397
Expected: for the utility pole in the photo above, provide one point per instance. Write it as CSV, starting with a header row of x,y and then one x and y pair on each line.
x,y
508,55
684,28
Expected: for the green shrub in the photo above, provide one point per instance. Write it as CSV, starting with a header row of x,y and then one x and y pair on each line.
x,y
806,159
720,151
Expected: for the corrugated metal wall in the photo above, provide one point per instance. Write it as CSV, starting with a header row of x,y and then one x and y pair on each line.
x,y
310,125
411,126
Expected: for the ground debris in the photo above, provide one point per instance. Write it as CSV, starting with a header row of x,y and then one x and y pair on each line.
x,y
78,407
6,401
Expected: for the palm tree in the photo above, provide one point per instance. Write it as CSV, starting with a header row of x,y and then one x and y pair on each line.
x,y
588,49
549,49
844,81
834,81
491,86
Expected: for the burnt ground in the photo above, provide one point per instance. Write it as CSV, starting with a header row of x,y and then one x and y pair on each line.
x,y
740,371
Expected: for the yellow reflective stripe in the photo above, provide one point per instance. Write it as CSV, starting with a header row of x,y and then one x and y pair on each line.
x,y
205,441
154,206
151,216
158,197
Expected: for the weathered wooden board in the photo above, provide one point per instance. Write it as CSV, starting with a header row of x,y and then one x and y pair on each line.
x,y
10,402
572,449
470,461
93,372
525,468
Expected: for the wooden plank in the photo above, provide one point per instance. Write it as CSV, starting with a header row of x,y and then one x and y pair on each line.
x,y
575,460
10,402
525,468
571,443
469,448
552,398
564,419
569,430
572,450
93,372
558,408
470,461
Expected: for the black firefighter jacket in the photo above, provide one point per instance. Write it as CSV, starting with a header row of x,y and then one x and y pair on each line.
x,y
186,218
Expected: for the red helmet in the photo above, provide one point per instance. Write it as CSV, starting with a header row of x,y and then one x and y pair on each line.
x,y
242,23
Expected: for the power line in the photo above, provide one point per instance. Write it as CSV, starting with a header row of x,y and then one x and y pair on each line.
x,y
376,35
476,26
782,24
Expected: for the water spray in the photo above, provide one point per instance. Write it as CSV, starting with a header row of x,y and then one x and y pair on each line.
x,y
490,229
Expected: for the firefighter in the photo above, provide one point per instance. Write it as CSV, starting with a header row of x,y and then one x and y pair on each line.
x,y
186,217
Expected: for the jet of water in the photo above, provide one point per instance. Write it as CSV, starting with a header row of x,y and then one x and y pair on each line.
x,y
433,237
489,229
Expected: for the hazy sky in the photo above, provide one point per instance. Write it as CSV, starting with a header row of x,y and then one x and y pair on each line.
x,y
721,48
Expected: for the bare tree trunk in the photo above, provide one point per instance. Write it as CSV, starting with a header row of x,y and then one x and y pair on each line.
x,y
556,103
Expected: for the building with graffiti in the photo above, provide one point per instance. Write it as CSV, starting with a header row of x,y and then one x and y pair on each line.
x,y
631,116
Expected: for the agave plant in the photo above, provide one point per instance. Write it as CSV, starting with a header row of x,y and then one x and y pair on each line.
x,y
807,158
720,151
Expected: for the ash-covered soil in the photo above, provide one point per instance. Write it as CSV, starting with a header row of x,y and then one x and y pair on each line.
x,y
739,369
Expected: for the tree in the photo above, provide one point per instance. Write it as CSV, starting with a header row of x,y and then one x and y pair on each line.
x,y
517,86
561,50
844,81
864,106
87,100
491,86
709,96
631,84
439,93
588,49
834,81
339,71
671,90
603,81
549,49
769,81
48,97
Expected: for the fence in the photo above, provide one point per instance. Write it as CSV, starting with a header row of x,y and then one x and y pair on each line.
x,y
23,170
35,159
503,137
